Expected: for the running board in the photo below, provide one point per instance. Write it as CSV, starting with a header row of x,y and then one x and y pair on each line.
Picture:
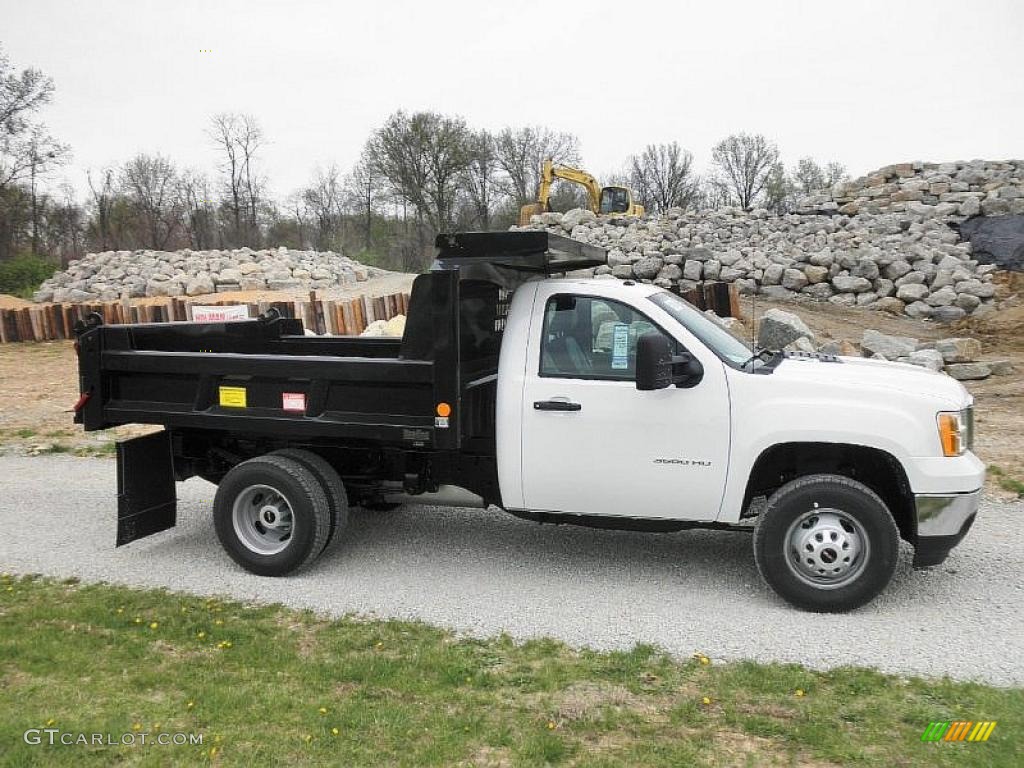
x,y
146,500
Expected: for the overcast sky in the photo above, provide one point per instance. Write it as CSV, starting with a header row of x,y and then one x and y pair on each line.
x,y
866,83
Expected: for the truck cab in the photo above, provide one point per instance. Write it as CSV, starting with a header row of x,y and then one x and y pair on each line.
x,y
593,402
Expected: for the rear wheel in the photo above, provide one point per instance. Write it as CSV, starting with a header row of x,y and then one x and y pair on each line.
x,y
271,515
332,485
826,543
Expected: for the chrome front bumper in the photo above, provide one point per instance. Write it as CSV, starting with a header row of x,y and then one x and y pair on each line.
x,y
942,521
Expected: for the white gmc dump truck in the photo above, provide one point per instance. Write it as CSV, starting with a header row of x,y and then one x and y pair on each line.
x,y
592,402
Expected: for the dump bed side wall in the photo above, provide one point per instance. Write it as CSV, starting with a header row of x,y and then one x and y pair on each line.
x,y
248,377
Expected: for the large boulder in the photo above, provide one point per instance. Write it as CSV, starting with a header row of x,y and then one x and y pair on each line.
x,y
959,350
199,285
777,328
886,346
968,371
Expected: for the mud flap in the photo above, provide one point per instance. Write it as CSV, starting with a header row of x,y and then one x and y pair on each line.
x,y
146,500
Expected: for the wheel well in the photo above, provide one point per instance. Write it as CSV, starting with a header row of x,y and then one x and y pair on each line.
x,y
878,470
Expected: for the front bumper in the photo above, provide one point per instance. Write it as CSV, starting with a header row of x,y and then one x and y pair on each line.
x,y
942,521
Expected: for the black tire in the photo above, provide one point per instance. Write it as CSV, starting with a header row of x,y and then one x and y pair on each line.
x,y
332,485
845,504
306,505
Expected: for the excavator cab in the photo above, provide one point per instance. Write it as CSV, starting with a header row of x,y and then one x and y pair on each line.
x,y
616,200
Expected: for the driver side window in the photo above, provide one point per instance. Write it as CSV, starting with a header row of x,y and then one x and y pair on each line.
x,y
591,338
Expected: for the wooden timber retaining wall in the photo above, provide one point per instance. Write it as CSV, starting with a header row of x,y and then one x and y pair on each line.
x,y
342,317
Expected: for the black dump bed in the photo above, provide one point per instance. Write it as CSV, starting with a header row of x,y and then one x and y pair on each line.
x,y
265,377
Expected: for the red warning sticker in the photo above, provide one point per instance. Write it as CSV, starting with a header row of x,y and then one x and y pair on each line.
x,y
293,401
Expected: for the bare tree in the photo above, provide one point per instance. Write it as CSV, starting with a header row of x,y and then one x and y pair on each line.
x,y
198,208
239,137
743,163
519,154
324,199
103,193
834,173
808,177
662,176
21,94
480,179
363,195
779,190
26,149
151,184
423,156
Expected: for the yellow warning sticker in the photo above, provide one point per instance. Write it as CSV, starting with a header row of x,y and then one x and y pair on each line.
x,y
232,397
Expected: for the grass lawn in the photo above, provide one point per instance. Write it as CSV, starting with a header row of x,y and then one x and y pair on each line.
x,y
271,686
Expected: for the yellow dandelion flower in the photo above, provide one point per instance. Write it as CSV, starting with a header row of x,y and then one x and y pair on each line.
x,y
218,622
200,635
307,738
213,751
10,589
322,710
120,610
227,643
154,625
189,704
334,731
799,692
50,722
138,620
136,727
551,725
706,701
156,726
379,646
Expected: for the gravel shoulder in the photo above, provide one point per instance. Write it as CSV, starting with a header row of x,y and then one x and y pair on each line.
x,y
484,573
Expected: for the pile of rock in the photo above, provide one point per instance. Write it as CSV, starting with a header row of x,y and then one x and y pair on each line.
x,y
112,275
900,263
955,190
958,357
884,241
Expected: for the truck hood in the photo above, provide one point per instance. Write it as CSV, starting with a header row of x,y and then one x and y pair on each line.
x,y
862,373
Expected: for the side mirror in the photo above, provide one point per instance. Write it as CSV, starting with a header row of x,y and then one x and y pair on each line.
x,y
657,367
653,362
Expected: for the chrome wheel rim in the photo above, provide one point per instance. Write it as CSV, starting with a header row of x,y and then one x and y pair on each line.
x,y
826,548
263,519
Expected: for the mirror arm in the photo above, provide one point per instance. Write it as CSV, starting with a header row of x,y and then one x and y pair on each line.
x,y
687,377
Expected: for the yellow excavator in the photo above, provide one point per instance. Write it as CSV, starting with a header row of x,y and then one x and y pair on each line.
x,y
600,199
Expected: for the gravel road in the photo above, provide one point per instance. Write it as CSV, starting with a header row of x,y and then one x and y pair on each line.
x,y
487,572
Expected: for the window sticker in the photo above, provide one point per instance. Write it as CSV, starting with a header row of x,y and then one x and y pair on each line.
x,y
620,347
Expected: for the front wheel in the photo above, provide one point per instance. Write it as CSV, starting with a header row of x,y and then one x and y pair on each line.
x,y
826,543
271,515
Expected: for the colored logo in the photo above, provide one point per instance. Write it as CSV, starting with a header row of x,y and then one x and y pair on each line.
x,y
959,730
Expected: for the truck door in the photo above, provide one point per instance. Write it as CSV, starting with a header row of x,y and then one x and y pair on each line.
x,y
592,443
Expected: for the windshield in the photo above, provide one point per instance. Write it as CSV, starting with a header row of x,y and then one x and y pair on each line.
x,y
730,349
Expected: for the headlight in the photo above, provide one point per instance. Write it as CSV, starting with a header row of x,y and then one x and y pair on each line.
x,y
956,431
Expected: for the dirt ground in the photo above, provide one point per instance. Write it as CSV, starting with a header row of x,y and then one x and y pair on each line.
x,y
39,381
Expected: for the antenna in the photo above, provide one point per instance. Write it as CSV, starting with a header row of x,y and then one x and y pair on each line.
x,y
753,320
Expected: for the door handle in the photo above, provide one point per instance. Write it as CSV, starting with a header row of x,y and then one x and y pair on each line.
x,y
556,405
